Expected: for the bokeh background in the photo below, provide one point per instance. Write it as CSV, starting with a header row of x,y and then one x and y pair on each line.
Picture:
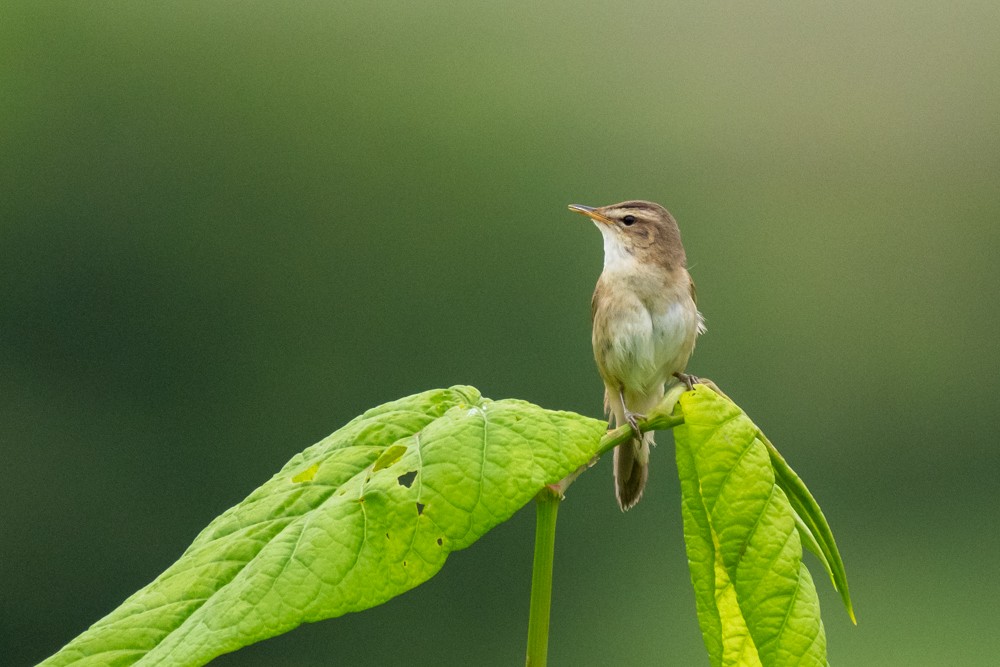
x,y
229,227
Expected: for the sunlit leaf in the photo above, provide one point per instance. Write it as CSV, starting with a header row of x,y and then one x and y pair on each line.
x,y
364,515
756,601
818,535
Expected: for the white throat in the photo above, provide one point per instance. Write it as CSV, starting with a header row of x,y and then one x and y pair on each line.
x,y
616,258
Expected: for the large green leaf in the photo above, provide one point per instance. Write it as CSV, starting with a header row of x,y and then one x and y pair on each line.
x,y
756,601
364,515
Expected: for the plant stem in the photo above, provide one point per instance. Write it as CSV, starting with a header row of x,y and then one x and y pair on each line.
x,y
546,511
660,418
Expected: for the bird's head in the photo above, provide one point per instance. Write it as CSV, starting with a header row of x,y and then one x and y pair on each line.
x,y
636,231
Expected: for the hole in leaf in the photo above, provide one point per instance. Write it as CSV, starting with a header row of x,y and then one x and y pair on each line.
x,y
440,542
387,536
407,479
420,508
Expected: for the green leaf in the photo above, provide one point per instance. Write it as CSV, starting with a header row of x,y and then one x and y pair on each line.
x,y
362,516
756,601
813,527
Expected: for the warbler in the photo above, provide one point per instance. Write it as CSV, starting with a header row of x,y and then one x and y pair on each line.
x,y
645,323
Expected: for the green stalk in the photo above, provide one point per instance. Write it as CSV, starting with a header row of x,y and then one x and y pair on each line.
x,y
546,511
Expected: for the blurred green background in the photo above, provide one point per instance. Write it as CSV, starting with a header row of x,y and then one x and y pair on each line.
x,y
229,227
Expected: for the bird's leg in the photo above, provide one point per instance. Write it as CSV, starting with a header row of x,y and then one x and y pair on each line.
x,y
631,417
689,380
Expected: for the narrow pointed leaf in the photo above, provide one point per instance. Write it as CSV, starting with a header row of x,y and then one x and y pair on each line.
x,y
757,604
808,511
809,542
364,515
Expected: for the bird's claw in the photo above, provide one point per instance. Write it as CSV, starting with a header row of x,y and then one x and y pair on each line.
x,y
689,380
633,420
631,417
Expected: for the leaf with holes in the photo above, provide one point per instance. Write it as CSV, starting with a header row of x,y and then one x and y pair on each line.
x,y
756,601
362,516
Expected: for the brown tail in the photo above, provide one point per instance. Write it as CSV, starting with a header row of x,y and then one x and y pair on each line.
x,y
632,470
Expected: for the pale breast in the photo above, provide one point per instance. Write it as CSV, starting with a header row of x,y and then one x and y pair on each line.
x,y
674,333
641,339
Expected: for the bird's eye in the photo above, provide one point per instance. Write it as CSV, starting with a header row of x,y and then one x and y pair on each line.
x,y
628,219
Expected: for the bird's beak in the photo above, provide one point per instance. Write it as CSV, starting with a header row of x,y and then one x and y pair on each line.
x,y
591,213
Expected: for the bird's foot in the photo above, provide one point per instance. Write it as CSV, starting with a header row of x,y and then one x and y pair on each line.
x,y
689,380
633,420
631,417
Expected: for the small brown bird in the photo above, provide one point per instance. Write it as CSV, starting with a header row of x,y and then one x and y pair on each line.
x,y
645,324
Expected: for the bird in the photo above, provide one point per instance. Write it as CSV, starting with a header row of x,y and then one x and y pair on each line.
x,y
645,323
